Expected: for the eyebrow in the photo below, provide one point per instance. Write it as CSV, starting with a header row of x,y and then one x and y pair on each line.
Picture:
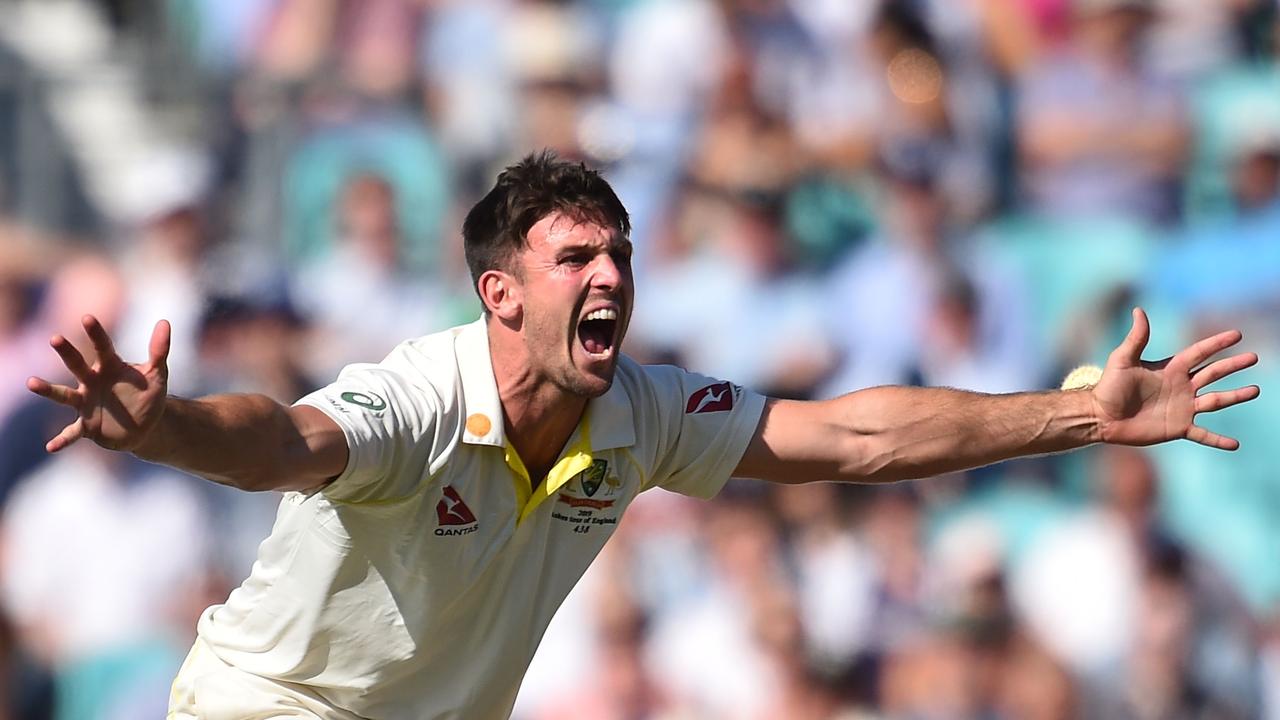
x,y
623,244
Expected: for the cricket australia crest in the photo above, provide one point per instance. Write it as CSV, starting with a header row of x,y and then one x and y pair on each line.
x,y
589,495
593,476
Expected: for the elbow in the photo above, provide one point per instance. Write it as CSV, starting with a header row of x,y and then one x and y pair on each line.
x,y
272,477
278,481
254,481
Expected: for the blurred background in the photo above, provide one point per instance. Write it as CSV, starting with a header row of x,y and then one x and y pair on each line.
x,y
826,195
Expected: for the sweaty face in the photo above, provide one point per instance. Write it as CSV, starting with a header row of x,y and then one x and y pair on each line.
x,y
578,293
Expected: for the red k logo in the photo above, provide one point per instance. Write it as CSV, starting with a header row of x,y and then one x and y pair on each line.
x,y
452,511
712,398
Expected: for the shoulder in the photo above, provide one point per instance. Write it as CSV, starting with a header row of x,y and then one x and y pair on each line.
x,y
430,358
416,386
646,383
667,388
426,366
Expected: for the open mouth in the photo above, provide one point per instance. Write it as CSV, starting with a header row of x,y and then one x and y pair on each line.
x,y
596,332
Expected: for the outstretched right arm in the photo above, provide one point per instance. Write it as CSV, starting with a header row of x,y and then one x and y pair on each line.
x,y
247,441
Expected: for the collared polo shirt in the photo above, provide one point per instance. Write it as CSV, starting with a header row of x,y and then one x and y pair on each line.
x,y
419,582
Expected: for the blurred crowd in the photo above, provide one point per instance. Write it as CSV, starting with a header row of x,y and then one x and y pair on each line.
x,y
825,195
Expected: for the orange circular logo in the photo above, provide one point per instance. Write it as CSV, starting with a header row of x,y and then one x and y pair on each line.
x,y
479,424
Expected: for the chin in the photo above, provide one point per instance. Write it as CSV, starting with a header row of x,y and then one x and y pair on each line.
x,y
590,385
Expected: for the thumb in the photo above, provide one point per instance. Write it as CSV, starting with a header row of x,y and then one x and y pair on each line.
x,y
1130,350
158,348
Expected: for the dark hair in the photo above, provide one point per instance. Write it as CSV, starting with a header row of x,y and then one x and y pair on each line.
x,y
526,192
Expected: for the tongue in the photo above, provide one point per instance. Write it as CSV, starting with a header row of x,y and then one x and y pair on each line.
x,y
594,339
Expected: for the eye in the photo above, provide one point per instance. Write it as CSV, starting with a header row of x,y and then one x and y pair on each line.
x,y
622,257
576,260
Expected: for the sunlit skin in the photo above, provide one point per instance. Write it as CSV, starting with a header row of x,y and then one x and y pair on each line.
x,y
1141,402
544,373
545,379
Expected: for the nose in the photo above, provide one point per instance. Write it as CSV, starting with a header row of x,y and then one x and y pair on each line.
x,y
607,274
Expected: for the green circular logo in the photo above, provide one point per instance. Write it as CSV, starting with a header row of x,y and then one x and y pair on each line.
x,y
365,400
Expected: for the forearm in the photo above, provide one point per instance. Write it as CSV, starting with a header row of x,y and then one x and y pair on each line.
x,y
247,441
900,433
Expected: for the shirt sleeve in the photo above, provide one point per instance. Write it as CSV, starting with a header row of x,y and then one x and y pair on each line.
x,y
390,425
704,426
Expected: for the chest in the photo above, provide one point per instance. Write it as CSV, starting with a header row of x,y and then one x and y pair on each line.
x,y
478,523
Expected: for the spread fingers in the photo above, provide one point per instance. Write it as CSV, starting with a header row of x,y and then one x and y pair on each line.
x,y
101,340
1219,369
71,357
57,393
69,434
1225,398
1211,439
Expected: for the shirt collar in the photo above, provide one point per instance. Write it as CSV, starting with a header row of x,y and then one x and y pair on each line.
x,y
612,424
609,416
479,389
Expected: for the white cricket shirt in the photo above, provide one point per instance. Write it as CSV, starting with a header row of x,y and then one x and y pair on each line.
x,y
418,583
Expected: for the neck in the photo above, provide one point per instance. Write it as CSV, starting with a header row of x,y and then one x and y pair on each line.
x,y
539,416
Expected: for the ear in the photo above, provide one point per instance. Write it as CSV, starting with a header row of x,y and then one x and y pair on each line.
x,y
501,293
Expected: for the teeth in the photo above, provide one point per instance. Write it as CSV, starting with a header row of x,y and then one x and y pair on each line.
x,y
602,314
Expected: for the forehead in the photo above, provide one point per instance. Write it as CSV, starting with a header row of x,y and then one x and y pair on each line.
x,y
558,230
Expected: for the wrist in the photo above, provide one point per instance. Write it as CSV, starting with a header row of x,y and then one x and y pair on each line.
x,y
1078,419
152,445
1095,429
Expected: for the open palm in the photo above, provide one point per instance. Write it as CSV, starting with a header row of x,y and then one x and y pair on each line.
x,y
117,402
1143,403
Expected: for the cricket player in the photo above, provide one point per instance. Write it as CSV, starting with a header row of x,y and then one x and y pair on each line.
x,y
439,505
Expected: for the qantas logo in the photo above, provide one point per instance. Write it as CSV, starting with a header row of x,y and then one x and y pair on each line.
x,y
712,398
454,515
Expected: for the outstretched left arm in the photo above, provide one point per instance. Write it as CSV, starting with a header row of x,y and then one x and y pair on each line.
x,y
887,434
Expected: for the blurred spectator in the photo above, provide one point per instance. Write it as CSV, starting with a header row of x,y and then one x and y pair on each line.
x,y
1231,263
350,143
665,61
803,692
1270,676
959,351
104,561
616,684
1190,39
165,273
1194,647
934,676
1031,684
745,314
295,37
469,86
905,268
1101,134
257,345
1235,107
836,576
1088,632
81,284
823,198
223,30
557,57
891,526
381,301
377,45
936,98
703,650
253,345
